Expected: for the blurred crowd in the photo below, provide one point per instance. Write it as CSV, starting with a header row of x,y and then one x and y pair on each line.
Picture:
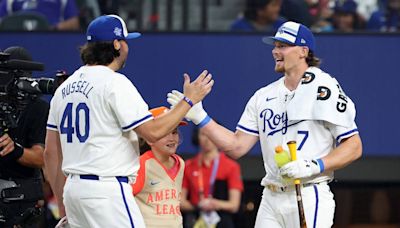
x,y
321,15
213,15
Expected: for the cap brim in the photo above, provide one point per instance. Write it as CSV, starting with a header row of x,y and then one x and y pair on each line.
x,y
271,39
133,35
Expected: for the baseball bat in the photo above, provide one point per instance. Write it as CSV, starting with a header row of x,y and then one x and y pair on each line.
x,y
293,154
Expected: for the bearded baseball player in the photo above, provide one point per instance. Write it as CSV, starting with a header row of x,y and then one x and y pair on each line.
x,y
306,105
89,155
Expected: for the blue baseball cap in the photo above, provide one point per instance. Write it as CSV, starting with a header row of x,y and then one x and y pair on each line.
x,y
293,33
108,28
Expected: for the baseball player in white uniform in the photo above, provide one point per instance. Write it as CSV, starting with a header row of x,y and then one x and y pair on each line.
x,y
306,105
89,155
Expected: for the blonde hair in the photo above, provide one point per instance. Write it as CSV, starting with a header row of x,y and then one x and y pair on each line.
x,y
312,60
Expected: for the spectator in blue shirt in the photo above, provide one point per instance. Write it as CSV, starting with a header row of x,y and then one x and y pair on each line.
x,y
260,16
386,19
60,14
346,17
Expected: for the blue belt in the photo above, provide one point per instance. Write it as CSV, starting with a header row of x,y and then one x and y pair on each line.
x,y
275,188
95,177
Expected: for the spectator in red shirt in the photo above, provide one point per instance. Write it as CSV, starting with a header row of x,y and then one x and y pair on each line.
x,y
211,183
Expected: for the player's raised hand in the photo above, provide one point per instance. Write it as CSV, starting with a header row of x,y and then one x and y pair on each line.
x,y
196,114
199,88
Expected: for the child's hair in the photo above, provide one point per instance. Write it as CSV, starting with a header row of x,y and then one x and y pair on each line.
x,y
143,146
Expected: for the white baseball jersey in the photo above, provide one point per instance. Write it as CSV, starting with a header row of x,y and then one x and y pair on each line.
x,y
94,111
266,116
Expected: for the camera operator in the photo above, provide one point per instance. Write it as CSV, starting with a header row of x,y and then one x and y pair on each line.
x,y
21,160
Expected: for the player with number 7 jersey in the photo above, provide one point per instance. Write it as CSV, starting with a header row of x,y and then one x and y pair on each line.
x,y
306,105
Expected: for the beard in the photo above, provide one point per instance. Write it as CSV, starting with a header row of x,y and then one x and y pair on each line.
x,y
279,69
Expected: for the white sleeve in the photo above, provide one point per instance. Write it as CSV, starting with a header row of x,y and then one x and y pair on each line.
x,y
128,105
51,120
248,121
340,132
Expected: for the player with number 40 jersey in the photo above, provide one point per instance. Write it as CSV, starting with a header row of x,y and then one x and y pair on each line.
x,y
83,110
94,122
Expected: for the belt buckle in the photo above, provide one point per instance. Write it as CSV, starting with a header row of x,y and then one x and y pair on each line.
x,y
271,187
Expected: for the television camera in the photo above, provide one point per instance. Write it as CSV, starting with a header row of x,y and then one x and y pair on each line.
x,y
18,89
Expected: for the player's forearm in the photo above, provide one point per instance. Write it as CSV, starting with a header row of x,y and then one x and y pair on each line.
x,y
58,191
32,157
57,181
229,142
154,130
55,176
52,165
223,138
349,150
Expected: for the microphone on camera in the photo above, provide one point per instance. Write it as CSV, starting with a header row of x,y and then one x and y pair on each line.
x,y
22,65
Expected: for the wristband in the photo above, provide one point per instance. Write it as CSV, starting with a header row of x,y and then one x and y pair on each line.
x,y
204,121
190,102
16,153
321,165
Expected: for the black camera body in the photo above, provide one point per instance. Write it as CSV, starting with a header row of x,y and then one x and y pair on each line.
x,y
18,89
